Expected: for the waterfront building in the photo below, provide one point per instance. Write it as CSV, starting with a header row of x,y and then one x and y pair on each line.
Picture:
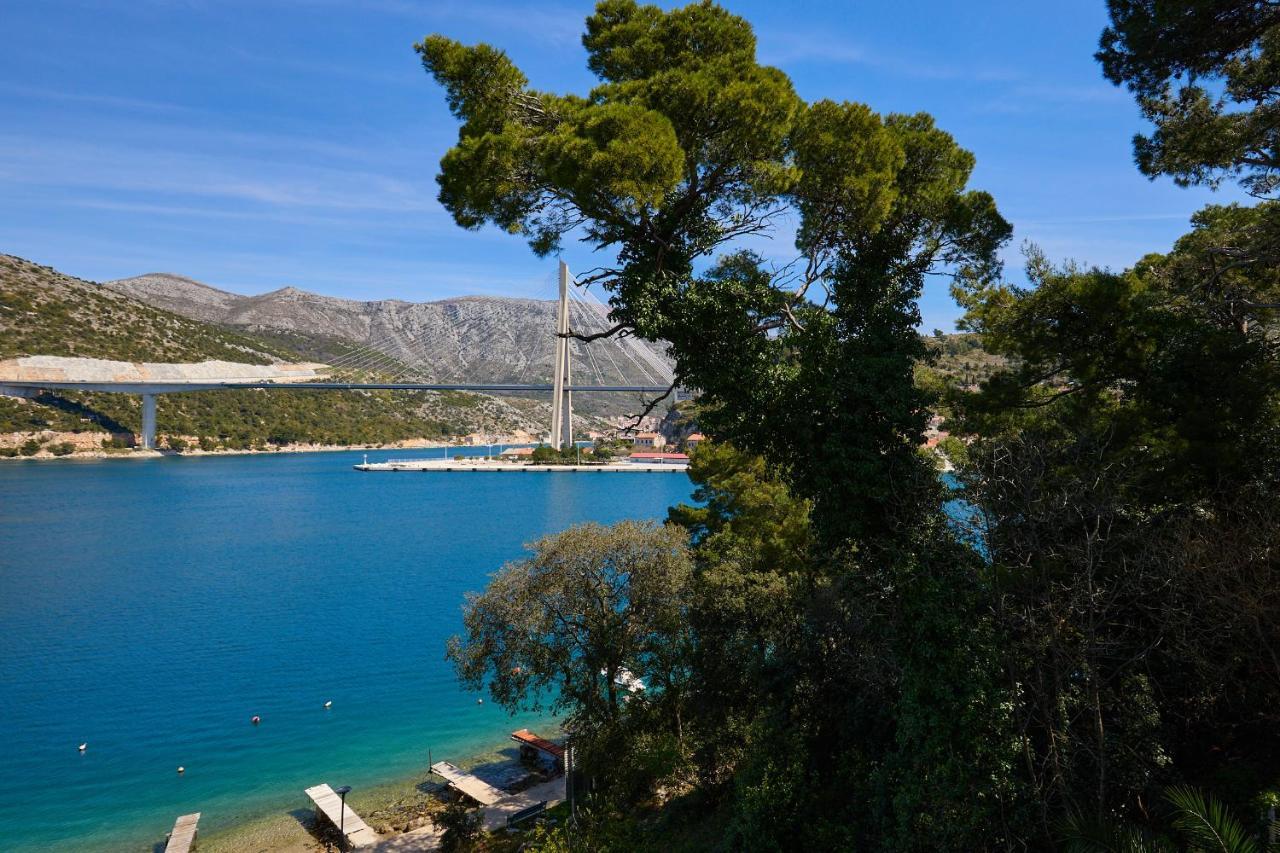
x,y
650,439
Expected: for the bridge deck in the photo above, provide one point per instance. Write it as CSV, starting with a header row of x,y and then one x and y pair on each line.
x,y
473,786
183,835
339,813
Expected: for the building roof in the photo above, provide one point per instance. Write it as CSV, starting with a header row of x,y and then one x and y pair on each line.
x,y
528,738
679,456
646,435
517,451
697,436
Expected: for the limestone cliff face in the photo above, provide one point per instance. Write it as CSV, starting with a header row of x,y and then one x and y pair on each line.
x,y
180,295
470,338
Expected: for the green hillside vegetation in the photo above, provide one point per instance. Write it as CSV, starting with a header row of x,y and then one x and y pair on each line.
x,y
961,360
953,365
239,419
43,312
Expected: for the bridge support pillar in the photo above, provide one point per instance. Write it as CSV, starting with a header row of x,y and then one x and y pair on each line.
x,y
148,421
560,425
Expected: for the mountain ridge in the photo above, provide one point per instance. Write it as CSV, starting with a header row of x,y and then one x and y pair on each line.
x,y
46,313
473,338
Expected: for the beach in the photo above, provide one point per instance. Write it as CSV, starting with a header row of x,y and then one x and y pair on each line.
x,y
391,808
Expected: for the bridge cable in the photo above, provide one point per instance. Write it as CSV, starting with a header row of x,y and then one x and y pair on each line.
x,y
634,349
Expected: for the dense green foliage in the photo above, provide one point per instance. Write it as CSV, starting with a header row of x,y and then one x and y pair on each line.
x,y
687,144
1204,72
1127,469
848,670
570,624
545,454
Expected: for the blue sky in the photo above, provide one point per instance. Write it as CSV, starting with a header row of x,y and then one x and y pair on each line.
x,y
254,144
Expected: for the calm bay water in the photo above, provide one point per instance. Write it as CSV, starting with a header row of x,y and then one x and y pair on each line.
x,y
152,607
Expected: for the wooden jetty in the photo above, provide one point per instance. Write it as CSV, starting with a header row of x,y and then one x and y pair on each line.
x,y
183,837
473,786
329,804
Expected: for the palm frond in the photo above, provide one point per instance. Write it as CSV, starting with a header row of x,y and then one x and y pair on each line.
x,y
1207,823
1081,834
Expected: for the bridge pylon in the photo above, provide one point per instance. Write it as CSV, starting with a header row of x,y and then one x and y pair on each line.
x,y
561,396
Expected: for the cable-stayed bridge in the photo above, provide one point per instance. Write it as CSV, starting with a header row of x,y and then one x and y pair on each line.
x,y
394,361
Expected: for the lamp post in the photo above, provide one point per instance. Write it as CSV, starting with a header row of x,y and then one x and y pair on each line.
x,y
342,814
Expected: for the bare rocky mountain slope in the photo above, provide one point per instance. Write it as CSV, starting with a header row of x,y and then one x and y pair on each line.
x,y
464,339
46,313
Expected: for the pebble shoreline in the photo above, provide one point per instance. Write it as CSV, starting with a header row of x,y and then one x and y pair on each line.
x,y
282,832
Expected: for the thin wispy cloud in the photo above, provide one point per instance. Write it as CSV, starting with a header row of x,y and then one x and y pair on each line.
x,y
176,213
783,48
38,93
1038,96
333,69
543,22
159,171
1105,220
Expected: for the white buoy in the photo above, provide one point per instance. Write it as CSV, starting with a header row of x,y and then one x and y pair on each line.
x,y
83,747
329,704
182,769
479,701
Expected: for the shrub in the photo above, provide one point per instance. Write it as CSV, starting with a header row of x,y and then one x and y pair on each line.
x,y
461,827
30,447
62,448
954,449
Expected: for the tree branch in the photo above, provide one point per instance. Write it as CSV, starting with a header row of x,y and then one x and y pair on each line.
x,y
650,406
607,333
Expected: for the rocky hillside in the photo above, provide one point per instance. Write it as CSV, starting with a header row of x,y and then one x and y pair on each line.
x,y
43,312
960,359
466,339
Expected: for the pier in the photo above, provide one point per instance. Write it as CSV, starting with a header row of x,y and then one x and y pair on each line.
x,y
183,837
333,807
473,786
483,466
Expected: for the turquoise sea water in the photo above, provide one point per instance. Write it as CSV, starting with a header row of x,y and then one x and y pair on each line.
x,y
151,607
